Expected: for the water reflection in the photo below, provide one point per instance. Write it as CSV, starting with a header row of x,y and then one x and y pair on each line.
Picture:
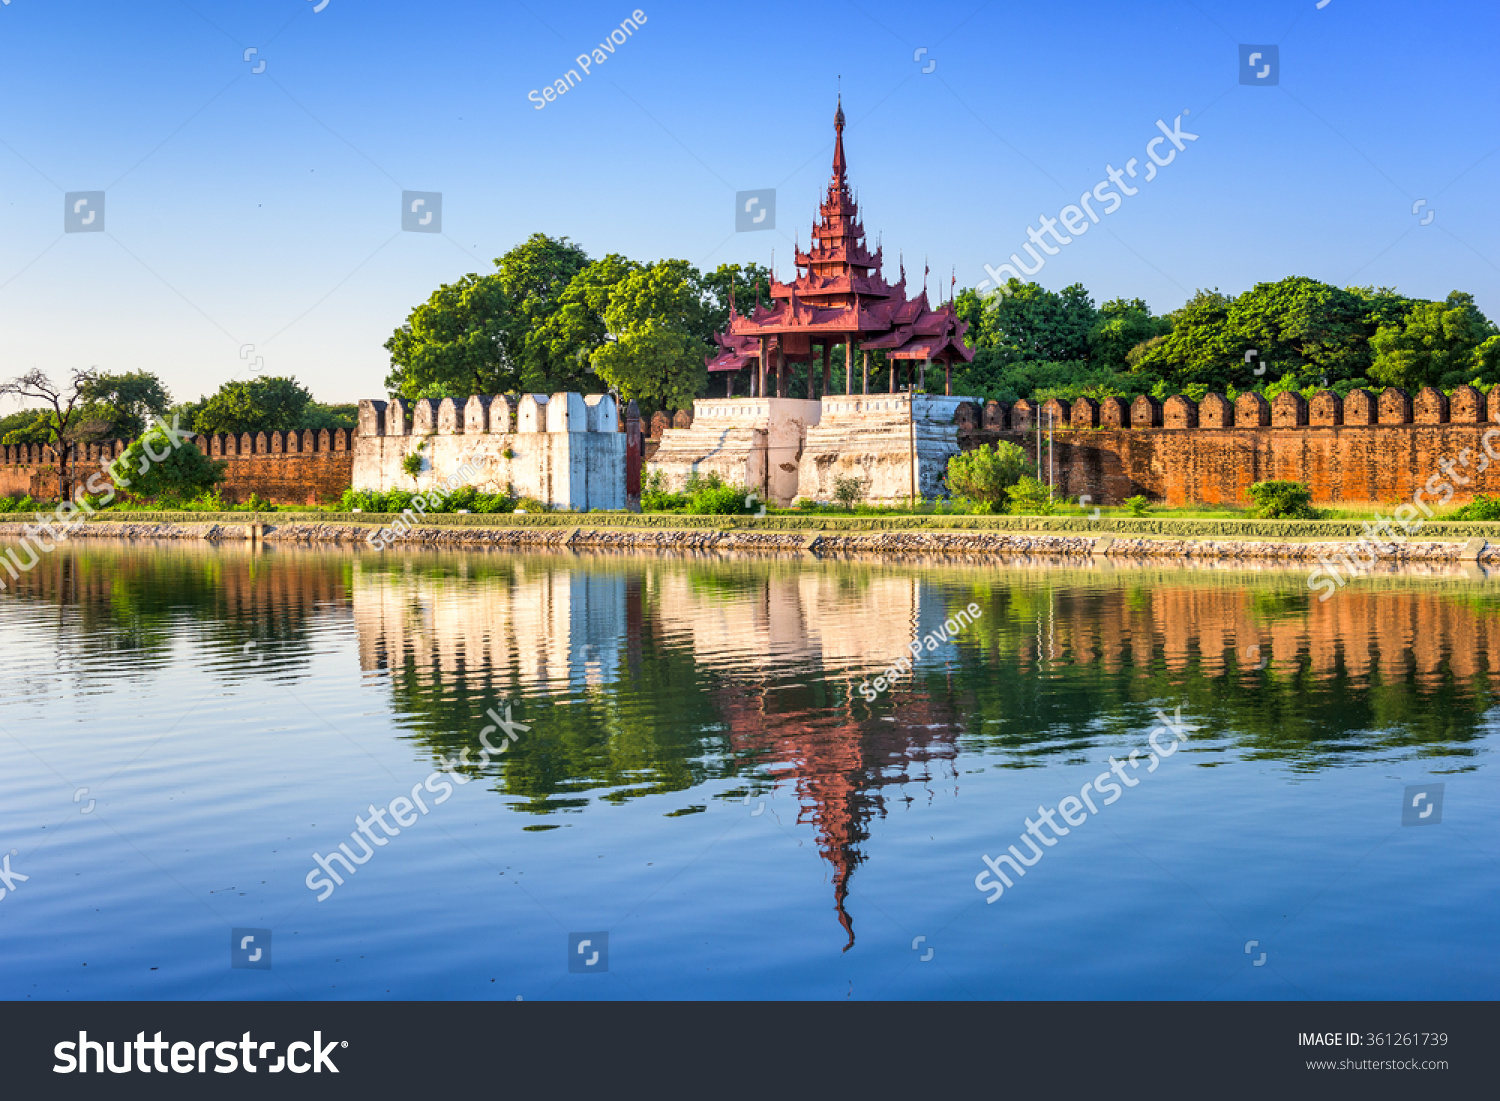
x,y
646,675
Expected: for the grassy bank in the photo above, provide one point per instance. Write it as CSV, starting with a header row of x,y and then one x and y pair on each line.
x,y
1173,527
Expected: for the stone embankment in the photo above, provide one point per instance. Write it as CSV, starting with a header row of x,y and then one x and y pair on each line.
x,y
891,543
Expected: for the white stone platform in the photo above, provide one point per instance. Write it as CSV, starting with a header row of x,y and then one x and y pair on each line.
x,y
898,445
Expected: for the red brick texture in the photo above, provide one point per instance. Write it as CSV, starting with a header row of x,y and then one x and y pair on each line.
x,y
287,468
1329,444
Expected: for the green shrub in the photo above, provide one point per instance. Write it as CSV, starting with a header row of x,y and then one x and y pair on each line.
x,y
719,500
1282,501
1138,506
1482,507
986,474
1029,497
696,481
531,505
493,502
184,473
654,494
849,492
805,503
18,504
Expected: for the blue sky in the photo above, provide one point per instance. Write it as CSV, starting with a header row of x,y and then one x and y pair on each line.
x,y
264,208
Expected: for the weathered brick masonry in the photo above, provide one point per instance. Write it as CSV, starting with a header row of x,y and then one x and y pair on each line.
x,y
1364,448
294,468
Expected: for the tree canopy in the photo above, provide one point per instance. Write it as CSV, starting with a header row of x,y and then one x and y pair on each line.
x,y
1294,334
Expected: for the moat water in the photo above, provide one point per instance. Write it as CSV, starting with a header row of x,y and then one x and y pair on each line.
x,y
695,783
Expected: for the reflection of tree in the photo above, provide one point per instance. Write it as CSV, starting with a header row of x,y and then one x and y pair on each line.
x,y
1413,667
1060,664
131,601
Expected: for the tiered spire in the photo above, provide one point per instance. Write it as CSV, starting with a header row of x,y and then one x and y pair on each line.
x,y
838,295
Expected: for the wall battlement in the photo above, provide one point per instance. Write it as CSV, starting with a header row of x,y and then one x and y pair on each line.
x,y
489,415
295,467
564,449
1391,406
1363,448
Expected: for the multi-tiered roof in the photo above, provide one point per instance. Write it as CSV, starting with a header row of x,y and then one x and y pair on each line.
x,y
841,296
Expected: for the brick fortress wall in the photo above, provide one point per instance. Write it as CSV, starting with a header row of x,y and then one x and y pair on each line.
x,y
1364,448
293,468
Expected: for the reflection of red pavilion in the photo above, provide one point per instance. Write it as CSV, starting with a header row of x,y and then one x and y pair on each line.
x,y
842,298
838,768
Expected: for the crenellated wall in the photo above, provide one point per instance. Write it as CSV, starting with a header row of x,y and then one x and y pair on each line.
x,y
301,468
1362,448
564,449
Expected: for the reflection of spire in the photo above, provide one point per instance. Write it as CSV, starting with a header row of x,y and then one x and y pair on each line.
x,y
838,771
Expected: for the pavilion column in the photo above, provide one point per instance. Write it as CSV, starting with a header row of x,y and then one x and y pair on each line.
x,y
925,364
827,368
780,370
894,365
849,366
759,385
729,384
948,377
865,374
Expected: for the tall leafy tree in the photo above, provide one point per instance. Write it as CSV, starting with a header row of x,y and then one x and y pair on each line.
x,y
459,340
534,276
576,328
655,316
483,333
263,404
1122,324
120,406
1438,344
62,413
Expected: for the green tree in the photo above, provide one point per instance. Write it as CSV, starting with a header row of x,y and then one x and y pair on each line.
x,y
1438,344
656,357
266,403
534,277
986,473
1122,323
157,469
458,340
61,421
1029,322
26,426
484,333
576,328
715,286
120,406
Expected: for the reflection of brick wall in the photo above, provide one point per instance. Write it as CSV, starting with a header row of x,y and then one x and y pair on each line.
x,y
1331,445
293,468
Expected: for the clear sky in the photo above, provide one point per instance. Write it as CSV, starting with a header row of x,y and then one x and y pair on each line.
x,y
264,208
